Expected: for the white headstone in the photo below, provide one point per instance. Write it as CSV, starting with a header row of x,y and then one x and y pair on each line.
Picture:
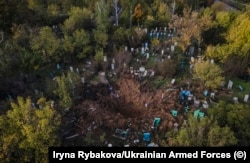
x,y
212,61
235,99
132,49
205,105
105,58
82,79
212,95
142,50
172,81
77,70
145,73
152,73
175,43
131,70
113,60
71,68
230,84
142,69
192,59
196,103
162,52
113,66
169,57
126,48
172,48
246,97
147,55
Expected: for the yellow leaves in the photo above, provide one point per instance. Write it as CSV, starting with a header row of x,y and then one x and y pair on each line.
x,y
210,74
138,11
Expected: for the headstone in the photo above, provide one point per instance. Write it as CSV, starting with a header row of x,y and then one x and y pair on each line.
x,y
205,105
235,99
212,95
240,87
132,49
191,50
82,79
196,103
172,81
113,66
113,60
145,73
58,66
172,48
77,70
230,84
105,58
131,70
192,59
174,113
175,43
246,97
142,69
169,57
142,50
152,74
146,45
162,52
212,61
205,93
71,68
147,55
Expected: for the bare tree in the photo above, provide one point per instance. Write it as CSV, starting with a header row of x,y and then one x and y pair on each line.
x,y
118,11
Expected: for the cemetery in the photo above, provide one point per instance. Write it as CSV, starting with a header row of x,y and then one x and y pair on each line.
x,y
122,74
123,101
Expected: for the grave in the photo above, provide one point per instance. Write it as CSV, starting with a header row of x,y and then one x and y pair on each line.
x,y
71,68
156,123
241,88
172,81
58,66
83,80
212,61
212,95
121,134
230,84
174,113
105,58
246,97
196,103
172,48
113,66
147,137
235,100
205,93
205,105
198,114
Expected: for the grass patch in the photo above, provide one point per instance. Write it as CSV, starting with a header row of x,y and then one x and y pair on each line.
x,y
237,91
